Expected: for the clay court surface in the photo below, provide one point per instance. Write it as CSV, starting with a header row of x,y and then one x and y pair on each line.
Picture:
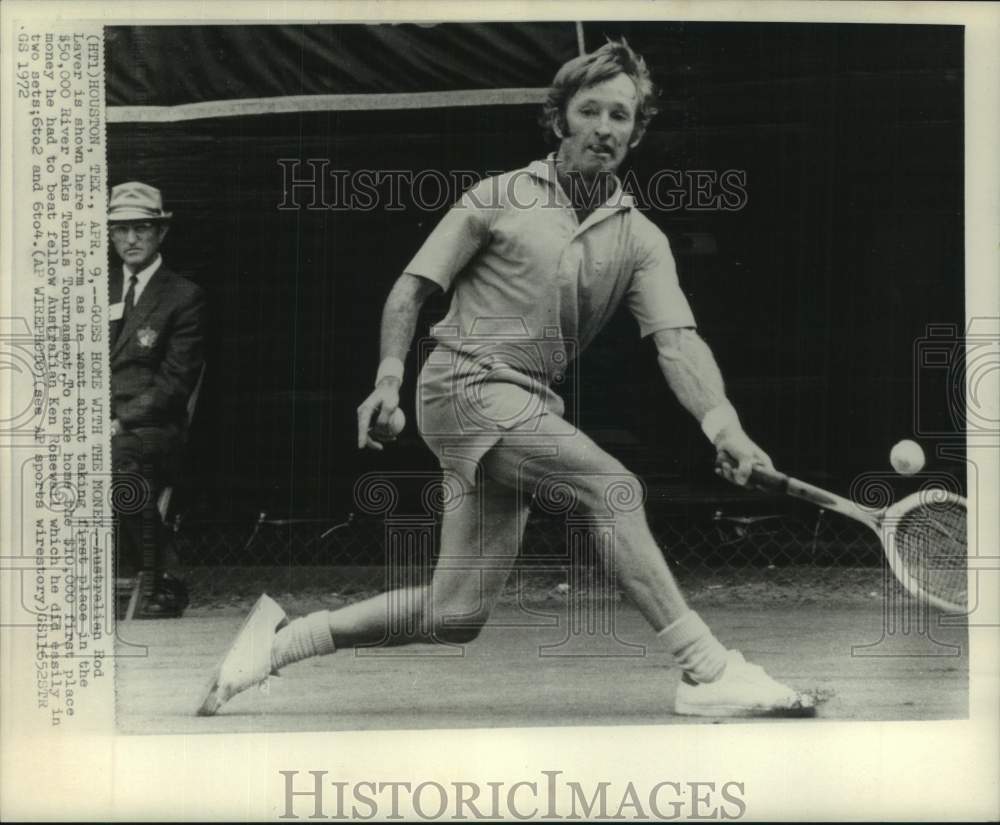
x,y
517,673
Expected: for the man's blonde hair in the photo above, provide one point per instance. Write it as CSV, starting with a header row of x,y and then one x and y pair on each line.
x,y
613,58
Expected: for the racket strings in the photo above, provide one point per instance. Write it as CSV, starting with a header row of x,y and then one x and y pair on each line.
x,y
931,544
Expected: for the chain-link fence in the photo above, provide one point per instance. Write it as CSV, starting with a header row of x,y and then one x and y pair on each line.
x,y
710,538
355,552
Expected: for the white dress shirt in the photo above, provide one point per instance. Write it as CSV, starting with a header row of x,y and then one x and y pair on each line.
x,y
142,278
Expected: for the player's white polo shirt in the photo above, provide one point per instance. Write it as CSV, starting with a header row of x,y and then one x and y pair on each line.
x,y
532,286
524,268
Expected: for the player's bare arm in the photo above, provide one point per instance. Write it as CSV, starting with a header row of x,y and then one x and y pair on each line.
x,y
692,373
399,322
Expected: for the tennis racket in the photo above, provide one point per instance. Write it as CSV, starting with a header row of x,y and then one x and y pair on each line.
x,y
923,535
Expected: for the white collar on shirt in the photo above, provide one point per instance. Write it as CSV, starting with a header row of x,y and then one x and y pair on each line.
x,y
546,170
142,278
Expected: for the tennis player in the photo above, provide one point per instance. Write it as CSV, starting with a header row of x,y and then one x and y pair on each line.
x,y
536,260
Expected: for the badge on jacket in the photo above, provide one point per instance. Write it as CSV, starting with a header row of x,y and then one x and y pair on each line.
x,y
146,337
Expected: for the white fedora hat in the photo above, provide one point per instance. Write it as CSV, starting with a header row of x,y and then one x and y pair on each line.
x,y
134,201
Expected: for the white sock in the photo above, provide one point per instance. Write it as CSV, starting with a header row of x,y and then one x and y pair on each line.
x,y
697,651
302,639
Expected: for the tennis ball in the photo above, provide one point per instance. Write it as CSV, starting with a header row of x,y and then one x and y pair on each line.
x,y
397,422
907,457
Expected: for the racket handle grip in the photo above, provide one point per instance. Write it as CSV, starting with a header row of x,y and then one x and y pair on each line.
x,y
771,481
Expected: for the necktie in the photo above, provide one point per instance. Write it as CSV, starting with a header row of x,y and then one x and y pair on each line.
x,y
119,325
129,299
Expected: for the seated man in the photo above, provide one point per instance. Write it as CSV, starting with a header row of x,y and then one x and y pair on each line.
x,y
157,331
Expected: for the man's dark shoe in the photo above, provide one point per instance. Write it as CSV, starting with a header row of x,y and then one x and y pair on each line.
x,y
168,601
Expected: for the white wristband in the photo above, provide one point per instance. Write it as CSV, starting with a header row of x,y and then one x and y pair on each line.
x,y
719,418
389,366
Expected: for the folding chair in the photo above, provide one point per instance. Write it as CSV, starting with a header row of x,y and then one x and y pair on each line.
x,y
141,587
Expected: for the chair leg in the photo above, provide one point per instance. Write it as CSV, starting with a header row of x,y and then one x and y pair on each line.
x,y
135,599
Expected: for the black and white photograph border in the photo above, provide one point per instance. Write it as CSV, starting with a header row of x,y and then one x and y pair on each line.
x,y
649,539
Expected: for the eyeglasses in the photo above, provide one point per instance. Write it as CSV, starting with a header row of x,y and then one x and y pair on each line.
x,y
142,229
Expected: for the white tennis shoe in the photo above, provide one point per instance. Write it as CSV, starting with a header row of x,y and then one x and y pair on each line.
x,y
742,690
248,660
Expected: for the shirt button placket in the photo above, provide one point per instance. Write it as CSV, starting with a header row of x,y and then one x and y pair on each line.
x,y
566,229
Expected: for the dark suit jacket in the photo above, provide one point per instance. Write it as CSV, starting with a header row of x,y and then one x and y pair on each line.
x,y
158,354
